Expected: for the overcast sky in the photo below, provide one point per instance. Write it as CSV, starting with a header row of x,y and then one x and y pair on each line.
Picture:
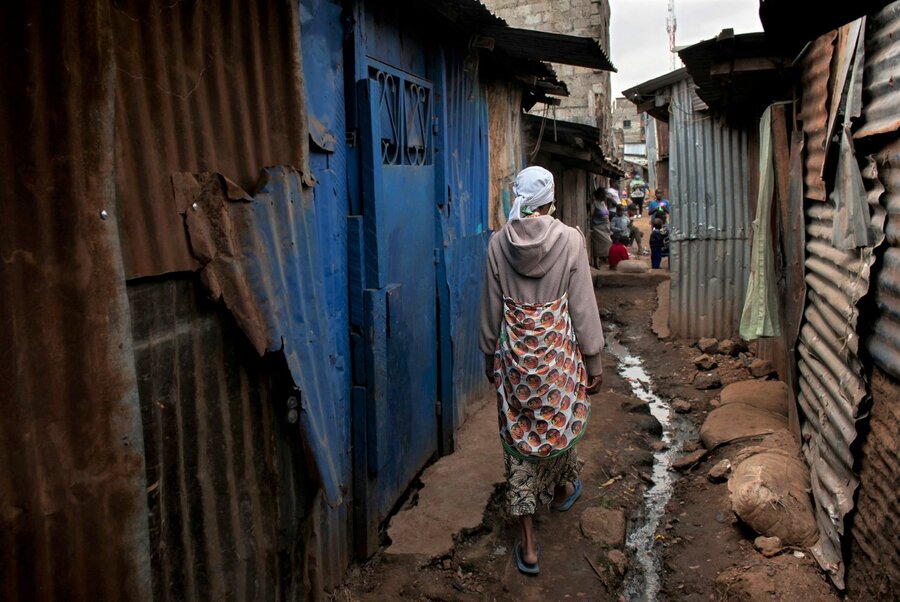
x,y
640,43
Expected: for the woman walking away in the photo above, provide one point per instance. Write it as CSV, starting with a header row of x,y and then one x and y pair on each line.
x,y
542,337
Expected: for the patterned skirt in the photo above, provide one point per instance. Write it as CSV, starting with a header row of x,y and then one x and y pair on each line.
x,y
531,482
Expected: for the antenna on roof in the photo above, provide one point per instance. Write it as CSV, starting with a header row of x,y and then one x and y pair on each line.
x,y
671,25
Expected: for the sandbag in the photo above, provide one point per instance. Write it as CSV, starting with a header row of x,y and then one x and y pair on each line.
x,y
771,395
632,266
769,489
738,420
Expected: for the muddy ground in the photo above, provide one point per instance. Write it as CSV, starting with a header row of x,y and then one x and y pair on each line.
x,y
704,553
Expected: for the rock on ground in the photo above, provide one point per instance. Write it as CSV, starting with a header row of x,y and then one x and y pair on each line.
x,y
707,380
727,347
708,345
682,406
687,461
705,362
720,472
767,546
619,561
760,368
604,526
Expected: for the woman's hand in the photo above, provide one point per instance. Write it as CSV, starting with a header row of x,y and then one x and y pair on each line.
x,y
489,368
594,383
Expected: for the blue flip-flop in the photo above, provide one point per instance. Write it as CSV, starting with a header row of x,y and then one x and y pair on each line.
x,y
571,499
524,567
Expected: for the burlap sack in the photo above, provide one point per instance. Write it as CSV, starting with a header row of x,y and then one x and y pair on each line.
x,y
770,491
632,266
771,395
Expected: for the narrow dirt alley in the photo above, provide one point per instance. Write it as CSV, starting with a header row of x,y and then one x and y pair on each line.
x,y
642,530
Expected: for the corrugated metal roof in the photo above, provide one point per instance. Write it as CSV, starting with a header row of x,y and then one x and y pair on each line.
x,y
814,81
709,180
72,484
881,112
553,47
523,43
192,95
738,74
791,23
652,95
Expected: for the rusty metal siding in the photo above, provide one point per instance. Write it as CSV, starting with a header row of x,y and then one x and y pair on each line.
x,y
814,81
884,343
880,93
710,192
209,86
72,484
873,569
227,491
831,374
504,102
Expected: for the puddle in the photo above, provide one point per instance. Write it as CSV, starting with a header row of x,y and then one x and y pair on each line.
x,y
644,581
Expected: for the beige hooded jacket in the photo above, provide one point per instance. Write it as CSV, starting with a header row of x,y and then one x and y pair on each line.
x,y
537,260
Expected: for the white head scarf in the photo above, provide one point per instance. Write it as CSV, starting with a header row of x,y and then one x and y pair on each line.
x,y
533,189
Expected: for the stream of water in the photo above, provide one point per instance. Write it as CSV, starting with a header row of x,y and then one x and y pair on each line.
x,y
644,581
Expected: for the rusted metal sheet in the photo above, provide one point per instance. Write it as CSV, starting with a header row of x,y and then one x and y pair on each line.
x,y
884,343
505,143
261,255
881,112
814,80
192,95
228,490
873,569
72,484
710,191
832,385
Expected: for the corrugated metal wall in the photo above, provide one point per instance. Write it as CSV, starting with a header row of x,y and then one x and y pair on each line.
x,y
873,565
118,97
73,514
844,449
195,92
710,168
228,490
465,223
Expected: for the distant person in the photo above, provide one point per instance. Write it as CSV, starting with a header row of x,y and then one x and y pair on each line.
x,y
538,294
637,189
601,237
617,252
620,225
634,233
659,243
659,207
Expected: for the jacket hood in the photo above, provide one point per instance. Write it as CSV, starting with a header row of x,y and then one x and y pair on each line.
x,y
533,245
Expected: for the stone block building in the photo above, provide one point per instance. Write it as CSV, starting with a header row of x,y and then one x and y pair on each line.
x,y
590,99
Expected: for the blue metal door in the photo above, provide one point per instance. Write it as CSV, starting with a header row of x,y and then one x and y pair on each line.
x,y
399,299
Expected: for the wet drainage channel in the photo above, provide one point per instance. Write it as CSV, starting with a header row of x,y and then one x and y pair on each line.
x,y
645,579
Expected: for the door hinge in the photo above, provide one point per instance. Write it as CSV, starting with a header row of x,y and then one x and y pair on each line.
x,y
350,138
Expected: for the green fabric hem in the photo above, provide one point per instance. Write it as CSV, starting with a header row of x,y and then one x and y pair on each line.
x,y
554,454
